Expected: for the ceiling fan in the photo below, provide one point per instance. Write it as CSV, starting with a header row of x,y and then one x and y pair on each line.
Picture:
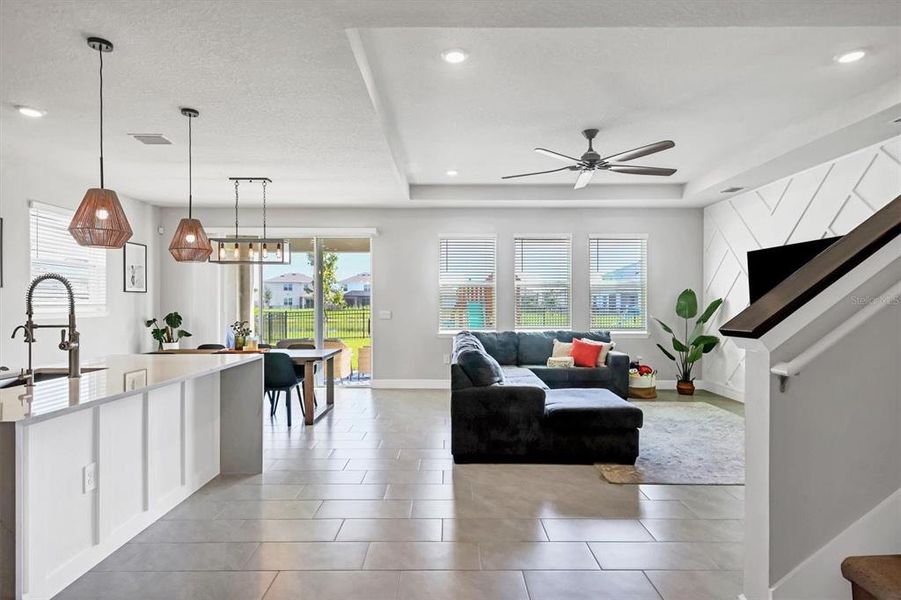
x,y
591,161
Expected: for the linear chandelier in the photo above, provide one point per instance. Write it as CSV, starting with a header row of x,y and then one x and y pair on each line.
x,y
250,249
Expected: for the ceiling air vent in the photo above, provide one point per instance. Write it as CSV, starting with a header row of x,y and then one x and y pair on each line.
x,y
731,190
152,139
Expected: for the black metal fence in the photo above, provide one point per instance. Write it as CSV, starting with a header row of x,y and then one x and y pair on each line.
x,y
343,323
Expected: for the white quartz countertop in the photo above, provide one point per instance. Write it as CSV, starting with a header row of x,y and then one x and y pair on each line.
x,y
118,376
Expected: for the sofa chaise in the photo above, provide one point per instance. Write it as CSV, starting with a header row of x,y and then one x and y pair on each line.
x,y
507,406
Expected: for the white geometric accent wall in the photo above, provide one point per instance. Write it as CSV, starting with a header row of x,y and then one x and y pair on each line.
x,y
827,200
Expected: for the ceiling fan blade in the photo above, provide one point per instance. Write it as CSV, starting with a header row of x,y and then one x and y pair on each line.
x,y
584,177
556,155
636,170
538,173
639,152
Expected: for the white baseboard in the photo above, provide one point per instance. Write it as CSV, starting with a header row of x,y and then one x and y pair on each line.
x,y
819,576
666,384
411,384
670,384
710,386
724,390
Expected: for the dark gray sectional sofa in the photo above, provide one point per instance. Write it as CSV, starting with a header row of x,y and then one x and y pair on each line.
x,y
507,406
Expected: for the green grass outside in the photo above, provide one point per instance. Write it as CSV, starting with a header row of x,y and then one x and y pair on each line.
x,y
618,323
555,319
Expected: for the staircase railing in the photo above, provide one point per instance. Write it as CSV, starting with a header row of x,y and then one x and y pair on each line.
x,y
822,271
788,369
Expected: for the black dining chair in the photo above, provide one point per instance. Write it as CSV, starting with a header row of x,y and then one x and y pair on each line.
x,y
302,346
211,347
264,346
278,377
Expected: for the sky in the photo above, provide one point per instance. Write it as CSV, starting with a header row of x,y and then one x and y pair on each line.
x,y
349,263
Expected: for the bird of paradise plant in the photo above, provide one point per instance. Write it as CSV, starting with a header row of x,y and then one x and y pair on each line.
x,y
696,343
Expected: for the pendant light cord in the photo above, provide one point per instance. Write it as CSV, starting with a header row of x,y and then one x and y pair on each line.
x,y
100,52
190,171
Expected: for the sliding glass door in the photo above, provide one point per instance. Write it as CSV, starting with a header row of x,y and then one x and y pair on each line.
x,y
322,298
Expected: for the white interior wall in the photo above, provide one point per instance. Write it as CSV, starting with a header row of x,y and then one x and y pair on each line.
x,y
822,454
407,348
835,439
826,200
122,330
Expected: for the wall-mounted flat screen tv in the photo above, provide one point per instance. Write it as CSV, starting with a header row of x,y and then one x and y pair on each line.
x,y
770,266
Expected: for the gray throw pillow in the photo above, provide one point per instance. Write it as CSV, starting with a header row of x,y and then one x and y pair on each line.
x,y
480,367
469,338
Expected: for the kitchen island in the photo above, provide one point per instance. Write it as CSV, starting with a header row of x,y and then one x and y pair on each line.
x,y
88,463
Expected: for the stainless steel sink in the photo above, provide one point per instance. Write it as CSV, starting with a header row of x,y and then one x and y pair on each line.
x,y
44,375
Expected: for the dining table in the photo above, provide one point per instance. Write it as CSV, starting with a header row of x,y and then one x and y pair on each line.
x,y
308,357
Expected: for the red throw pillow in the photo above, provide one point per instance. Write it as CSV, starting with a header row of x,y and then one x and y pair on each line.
x,y
585,355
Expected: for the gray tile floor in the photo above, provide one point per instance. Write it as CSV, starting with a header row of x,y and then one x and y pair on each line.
x,y
369,505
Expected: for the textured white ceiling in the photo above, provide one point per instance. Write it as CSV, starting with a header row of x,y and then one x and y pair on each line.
x,y
712,90
283,91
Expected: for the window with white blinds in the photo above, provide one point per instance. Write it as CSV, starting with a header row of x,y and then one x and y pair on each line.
x,y
618,283
467,273
542,282
53,250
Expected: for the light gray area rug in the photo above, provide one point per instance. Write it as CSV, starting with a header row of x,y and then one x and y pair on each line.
x,y
691,443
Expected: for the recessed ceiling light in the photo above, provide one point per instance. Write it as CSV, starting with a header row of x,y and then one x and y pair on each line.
x,y
454,56
30,112
850,57
451,173
731,190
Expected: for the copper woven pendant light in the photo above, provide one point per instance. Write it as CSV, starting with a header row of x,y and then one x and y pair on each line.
x,y
190,243
100,221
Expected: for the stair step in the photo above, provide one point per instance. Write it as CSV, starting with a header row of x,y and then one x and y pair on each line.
x,y
874,577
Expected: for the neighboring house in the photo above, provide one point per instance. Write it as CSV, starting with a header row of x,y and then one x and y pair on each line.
x,y
627,302
357,289
292,290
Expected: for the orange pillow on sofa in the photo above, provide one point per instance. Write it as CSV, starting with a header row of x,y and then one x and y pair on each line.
x,y
585,355
606,348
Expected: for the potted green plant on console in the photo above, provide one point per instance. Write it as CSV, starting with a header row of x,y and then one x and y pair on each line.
x,y
695,344
168,335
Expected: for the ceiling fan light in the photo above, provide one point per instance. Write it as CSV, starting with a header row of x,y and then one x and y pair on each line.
x,y
100,220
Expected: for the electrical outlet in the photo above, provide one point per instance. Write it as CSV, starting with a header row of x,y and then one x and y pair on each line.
x,y
447,359
89,477
385,314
